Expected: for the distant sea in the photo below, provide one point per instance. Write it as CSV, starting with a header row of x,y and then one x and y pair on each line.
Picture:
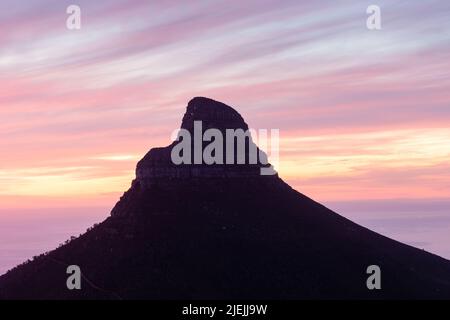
x,y
25,233
424,224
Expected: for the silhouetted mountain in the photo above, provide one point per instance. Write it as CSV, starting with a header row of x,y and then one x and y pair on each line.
x,y
225,231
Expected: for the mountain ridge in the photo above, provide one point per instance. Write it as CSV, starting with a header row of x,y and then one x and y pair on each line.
x,y
225,232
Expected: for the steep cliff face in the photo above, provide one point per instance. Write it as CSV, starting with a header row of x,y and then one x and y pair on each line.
x,y
225,232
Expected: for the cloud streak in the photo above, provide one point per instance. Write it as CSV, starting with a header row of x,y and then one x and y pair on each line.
x,y
352,105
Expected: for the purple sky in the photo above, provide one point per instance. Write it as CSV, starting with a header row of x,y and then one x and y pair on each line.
x,y
363,115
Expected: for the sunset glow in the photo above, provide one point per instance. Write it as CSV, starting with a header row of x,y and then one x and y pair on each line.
x,y
362,114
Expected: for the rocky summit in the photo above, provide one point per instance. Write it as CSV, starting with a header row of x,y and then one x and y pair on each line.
x,y
221,231
157,167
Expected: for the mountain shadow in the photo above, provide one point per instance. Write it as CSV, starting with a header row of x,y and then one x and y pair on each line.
x,y
225,232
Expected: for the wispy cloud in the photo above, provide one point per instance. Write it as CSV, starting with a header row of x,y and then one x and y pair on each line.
x,y
355,108
119,157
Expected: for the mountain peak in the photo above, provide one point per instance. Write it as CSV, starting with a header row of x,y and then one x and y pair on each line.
x,y
213,114
158,168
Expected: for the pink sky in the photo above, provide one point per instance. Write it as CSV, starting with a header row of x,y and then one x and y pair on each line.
x,y
363,115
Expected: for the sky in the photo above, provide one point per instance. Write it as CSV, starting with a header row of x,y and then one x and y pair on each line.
x,y
364,115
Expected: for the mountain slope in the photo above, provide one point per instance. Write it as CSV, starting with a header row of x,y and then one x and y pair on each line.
x,y
225,232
